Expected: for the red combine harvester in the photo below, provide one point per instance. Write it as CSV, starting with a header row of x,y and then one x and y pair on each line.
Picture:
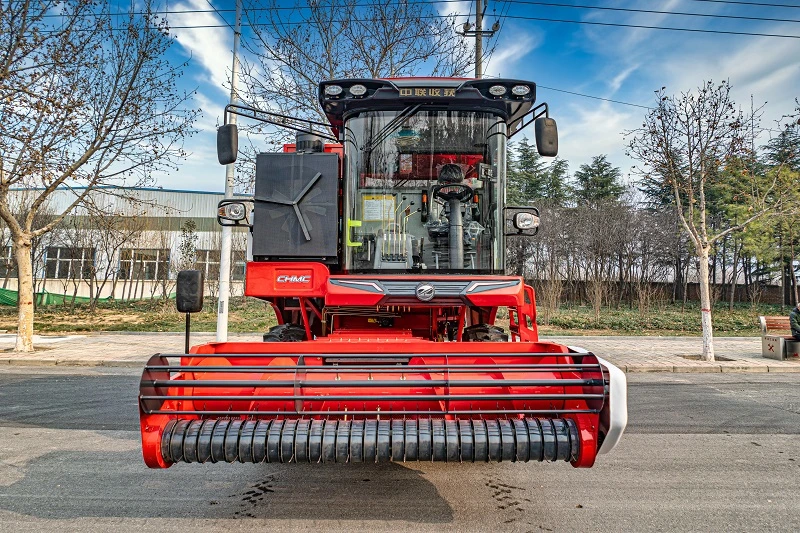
x,y
382,254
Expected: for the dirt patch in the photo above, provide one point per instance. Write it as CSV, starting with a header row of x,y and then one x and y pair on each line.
x,y
38,349
695,357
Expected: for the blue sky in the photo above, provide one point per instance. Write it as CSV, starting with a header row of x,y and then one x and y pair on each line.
x,y
617,63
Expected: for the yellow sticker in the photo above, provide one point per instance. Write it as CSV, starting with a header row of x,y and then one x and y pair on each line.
x,y
378,207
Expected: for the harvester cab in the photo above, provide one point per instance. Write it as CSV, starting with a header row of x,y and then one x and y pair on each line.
x,y
382,253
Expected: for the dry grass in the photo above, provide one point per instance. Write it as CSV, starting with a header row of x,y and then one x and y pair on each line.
x,y
249,316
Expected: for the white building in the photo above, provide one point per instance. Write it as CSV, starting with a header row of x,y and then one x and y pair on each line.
x,y
129,244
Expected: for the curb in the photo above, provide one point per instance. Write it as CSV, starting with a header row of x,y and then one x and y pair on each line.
x,y
23,361
697,369
628,369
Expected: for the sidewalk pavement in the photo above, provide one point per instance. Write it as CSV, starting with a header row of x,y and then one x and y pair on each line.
x,y
630,354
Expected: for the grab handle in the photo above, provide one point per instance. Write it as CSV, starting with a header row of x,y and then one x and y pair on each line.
x,y
350,225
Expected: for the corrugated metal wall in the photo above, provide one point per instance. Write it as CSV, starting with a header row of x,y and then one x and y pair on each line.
x,y
160,213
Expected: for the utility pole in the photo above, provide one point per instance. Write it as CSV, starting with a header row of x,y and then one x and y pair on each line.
x,y
227,231
478,38
479,33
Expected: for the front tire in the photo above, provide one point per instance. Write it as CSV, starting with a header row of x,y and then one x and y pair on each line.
x,y
484,333
286,333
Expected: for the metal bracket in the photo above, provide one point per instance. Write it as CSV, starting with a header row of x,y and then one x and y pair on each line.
x,y
537,112
261,116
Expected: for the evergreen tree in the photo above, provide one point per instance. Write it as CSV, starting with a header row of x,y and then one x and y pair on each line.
x,y
598,181
526,174
557,189
785,148
655,185
530,179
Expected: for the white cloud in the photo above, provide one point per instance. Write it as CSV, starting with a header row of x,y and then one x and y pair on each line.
x,y
629,64
617,81
586,131
212,109
210,52
767,68
210,48
513,46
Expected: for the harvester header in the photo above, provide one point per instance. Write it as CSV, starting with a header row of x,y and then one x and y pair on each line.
x,y
379,240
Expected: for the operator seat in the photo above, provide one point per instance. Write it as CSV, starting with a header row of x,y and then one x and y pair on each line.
x,y
450,173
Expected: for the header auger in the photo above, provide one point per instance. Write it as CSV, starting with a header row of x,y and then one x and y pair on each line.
x,y
382,254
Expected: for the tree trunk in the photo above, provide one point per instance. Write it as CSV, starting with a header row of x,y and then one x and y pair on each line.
x,y
748,278
705,304
734,275
794,277
722,291
74,297
685,289
714,268
91,290
22,252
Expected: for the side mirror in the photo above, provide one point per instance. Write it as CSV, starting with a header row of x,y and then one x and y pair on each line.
x,y
546,136
189,293
228,144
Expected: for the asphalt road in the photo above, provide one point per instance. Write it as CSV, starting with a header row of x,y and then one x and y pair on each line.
x,y
703,452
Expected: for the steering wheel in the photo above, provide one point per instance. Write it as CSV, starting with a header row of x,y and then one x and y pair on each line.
x,y
453,191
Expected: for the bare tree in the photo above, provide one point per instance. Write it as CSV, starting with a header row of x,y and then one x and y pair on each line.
x,y
86,98
294,47
113,230
7,263
692,144
76,255
156,262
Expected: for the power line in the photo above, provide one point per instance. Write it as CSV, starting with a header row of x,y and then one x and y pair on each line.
x,y
758,4
506,7
539,19
276,8
583,95
642,26
538,86
517,17
655,11
219,14
521,2
521,17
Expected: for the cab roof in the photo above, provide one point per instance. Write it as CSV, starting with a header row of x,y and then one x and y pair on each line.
x,y
456,94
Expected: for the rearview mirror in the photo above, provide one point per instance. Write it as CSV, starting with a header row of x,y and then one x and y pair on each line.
x,y
228,144
189,292
546,136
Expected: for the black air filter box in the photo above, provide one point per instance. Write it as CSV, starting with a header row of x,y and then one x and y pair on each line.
x,y
296,207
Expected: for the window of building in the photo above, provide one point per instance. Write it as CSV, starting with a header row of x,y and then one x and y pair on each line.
x,y
144,264
208,263
69,263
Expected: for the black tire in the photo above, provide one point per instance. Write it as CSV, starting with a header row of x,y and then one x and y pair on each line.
x,y
285,333
484,333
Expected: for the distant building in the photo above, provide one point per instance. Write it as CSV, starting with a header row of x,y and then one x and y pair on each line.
x,y
129,245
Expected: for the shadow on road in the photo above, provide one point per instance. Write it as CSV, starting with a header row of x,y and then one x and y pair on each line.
x,y
66,485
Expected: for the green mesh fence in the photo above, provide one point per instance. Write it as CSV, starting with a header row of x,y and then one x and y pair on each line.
x,y
8,297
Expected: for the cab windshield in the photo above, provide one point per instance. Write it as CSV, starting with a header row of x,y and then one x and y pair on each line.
x,y
424,191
